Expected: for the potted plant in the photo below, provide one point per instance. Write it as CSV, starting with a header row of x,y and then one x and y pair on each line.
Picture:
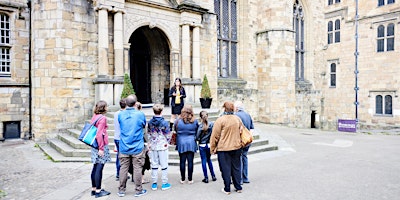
x,y
128,87
205,94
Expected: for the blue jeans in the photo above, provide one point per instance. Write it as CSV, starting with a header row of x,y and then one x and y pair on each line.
x,y
117,164
245,165
206,158
97,175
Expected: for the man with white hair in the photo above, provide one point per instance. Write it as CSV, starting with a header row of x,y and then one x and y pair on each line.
x,y
248,123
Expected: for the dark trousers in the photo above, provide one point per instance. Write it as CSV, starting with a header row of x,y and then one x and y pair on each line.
x,y
230,166
189,156
97,175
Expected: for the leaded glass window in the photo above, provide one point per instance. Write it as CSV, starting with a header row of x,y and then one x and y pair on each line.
x,y
388,105
298,26
337,31
226,11
378,104
5,34
333,75
330,32
390,37
381,39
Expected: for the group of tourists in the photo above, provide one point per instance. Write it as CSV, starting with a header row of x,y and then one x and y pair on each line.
x,y
134,142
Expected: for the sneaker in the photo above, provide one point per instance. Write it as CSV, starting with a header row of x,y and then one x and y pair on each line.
x,y
214,178
223,190
121,194
190,182
165,186
102,193
141,193
205,180
238,191
93,192
182,181
154,186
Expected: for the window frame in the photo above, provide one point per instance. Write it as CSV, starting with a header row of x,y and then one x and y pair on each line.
x,y
333,31
385,37
334,74
5,44
383,102
299,28
227,38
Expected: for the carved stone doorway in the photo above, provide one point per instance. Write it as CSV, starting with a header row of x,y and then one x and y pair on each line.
x,y
149,57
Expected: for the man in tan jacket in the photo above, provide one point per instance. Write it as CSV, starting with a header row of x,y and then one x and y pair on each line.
x,y
226,143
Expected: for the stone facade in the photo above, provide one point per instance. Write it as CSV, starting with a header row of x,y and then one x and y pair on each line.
x,y
80,50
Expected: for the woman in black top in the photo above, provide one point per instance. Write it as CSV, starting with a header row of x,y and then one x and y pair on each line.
x,y
177,92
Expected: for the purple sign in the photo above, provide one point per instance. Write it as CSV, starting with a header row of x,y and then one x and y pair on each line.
x,y
347,125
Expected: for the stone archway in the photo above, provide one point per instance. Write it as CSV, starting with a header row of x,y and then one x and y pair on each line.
x,y
149,57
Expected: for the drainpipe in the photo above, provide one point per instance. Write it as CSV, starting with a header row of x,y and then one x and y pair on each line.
x,y
356,88
30,68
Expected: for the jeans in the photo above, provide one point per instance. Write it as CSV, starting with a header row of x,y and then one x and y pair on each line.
x,y
97,175
245,164
159,159
206,159
229,164
189,156
117,164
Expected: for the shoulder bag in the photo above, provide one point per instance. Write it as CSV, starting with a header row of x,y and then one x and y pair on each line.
x,y
88,134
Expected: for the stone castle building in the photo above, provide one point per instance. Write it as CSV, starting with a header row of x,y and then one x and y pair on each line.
x,y
292,62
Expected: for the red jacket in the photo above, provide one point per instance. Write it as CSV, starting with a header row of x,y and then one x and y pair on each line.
x,y
101,136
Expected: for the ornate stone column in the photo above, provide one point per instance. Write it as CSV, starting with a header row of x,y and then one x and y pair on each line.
x,y
118,44
186,65
196,53
103,42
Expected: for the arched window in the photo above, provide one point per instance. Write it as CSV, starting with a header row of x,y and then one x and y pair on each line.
x,y
333,75
381,2
226,12
390,37
378,104
5,35
298,26
330,32
388,105
381,38
337,31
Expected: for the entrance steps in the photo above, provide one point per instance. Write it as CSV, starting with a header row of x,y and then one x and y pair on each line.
x,y
67,148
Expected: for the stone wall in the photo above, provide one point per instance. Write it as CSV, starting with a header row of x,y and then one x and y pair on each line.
x,y
14,90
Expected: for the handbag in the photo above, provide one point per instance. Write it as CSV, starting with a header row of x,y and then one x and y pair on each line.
x,y
172,141
246,136
88,134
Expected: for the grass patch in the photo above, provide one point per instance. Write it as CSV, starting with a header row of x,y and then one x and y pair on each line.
x,y
3,194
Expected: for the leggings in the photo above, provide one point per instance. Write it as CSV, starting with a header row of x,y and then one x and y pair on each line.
x,y
97,175
189,156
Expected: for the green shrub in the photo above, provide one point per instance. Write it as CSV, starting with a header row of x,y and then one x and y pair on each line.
x,y
128,87
205,88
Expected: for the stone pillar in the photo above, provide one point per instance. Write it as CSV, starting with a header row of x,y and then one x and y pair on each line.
x,y
186,66
118,45
196,53
103,42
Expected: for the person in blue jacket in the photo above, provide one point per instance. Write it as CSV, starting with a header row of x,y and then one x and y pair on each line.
x,y
131,146
186,128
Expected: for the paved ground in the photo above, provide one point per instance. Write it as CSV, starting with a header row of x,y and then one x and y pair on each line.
x,y
310,164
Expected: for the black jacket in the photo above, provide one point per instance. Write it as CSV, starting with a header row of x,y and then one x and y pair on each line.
x,y
204,138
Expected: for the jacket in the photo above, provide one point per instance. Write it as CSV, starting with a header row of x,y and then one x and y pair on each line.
x,y
204,138
172,91
158,133
101,134
225,134
132,123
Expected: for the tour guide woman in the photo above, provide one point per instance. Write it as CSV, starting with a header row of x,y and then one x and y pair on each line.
x,y
177,92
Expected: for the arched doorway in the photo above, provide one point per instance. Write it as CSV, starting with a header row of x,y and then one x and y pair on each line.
x,y
149,57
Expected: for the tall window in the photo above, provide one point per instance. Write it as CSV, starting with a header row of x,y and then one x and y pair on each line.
x,y
227,37
298,26
332,75
385,41
334,34
5,61
382,2
383,107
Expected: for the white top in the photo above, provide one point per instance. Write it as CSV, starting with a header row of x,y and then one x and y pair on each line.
x,y
117,128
